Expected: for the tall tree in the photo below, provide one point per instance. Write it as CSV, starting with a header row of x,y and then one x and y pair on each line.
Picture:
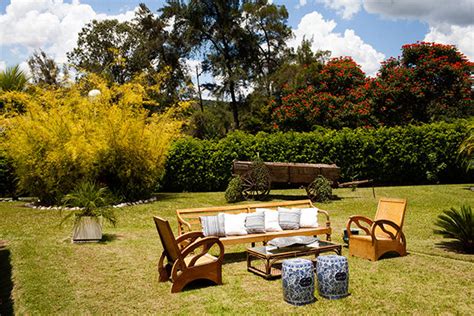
x,y
428,82
241,41
44,70
267,23
111,48
122,50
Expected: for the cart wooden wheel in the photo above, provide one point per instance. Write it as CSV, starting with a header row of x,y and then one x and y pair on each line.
x,y
254,188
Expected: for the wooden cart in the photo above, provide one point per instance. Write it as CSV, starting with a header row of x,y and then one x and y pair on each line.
x,y
285,173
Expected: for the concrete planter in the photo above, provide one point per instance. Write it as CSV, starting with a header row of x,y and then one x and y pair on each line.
x,y
87,229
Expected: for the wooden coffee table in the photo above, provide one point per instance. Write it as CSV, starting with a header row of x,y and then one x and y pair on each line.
x,y
271,256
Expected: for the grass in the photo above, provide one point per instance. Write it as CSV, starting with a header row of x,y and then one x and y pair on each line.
x,y
49,275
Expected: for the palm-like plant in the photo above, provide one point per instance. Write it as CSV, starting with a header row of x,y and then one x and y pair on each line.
x,y
13,79
91,200
459,225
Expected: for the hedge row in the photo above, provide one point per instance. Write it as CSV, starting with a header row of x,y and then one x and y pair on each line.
x,y
397,155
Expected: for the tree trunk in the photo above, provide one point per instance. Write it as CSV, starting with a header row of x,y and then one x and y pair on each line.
x,y
233,105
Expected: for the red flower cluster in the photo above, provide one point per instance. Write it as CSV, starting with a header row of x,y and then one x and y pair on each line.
x,y
427,82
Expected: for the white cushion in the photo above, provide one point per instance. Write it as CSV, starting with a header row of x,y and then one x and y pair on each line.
x,y
234,224
309,217
271,220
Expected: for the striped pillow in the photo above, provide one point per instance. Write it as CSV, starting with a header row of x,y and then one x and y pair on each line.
x,y
213,225
255,223
289,219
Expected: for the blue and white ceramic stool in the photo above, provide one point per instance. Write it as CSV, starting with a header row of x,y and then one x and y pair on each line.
x,y
298,281
333,276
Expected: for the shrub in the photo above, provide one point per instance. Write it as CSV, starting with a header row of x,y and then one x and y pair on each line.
x,y
92,200
396,155
7,178
459,225
320,189
234,190
64,138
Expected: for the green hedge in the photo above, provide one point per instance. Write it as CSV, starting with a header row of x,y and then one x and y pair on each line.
x,y
397,155
7,178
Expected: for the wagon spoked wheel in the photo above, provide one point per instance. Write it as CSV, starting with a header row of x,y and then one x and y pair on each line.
x,y
311,191
252,189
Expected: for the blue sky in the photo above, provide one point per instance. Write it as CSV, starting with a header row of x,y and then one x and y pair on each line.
x,y
368,30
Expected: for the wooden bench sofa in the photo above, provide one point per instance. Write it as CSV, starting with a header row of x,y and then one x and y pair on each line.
x,y
188,220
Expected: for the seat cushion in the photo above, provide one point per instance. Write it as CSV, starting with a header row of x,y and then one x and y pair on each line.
x,y
206,259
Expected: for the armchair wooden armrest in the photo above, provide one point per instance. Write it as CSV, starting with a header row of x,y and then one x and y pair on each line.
x,y
356,219
188,238
381,224
206,244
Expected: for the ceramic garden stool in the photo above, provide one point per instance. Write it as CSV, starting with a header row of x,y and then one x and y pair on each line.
x,y
333,276
298,281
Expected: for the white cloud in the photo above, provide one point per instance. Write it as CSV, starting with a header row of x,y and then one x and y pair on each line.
x,y
462,37
301,3
450,22
345,8
3,65
313,26
51,25
459,12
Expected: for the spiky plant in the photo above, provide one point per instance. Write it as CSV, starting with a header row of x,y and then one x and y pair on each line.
x,y
459,225
91,200
12,78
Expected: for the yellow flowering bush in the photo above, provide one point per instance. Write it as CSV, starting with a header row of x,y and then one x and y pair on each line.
x,y
65,137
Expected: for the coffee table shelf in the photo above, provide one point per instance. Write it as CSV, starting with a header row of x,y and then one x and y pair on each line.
x,y
268,258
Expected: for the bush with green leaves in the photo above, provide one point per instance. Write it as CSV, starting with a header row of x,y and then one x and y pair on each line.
x,y
320,189
7,178
413,154
233,193
457,224
64,137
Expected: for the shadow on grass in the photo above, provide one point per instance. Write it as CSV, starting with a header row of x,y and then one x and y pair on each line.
x,y
106,238
235,257
198,284
6,283
454,246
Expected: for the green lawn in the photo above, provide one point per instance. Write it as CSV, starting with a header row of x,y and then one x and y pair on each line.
x,y
48,275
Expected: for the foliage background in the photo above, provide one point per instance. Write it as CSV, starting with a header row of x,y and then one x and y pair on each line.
x,y
64,138
389,155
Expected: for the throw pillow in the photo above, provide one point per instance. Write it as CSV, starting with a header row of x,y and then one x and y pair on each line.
x,y
289,219
213,225
255,223
294,240
235,224
309,217
271,220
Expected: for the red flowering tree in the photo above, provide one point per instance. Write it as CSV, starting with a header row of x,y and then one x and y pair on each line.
x,y
337,101
428,82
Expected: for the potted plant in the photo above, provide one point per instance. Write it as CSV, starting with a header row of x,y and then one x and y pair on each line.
x,y
91,205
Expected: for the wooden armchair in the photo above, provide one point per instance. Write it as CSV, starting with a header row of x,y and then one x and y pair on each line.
x,y
384,234
187,257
